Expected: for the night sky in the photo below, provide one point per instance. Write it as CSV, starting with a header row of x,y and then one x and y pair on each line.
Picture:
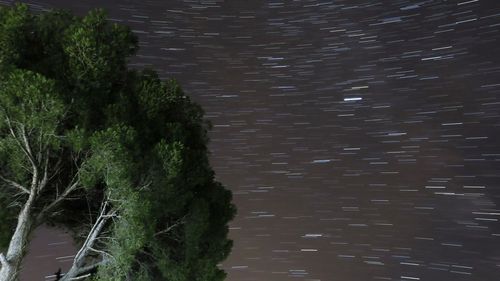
x,y
361,139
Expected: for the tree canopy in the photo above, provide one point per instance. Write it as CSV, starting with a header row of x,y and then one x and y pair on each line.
x,y
115,155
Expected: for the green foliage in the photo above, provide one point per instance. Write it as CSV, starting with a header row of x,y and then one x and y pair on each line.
x,y
30,99
97,50
15,24
123,133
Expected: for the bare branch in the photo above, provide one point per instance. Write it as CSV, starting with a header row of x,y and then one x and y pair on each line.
x,y
23,143
57,168
95,231
168,229
83,276
29,153
59,198
15,184
45,178
18,141
3,260
86,269
103,253
78,267
27,147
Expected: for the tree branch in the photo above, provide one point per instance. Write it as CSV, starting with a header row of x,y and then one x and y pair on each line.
x,y
3,260
103,253
87,269
178,222
83,276
57,168
78,267
15,184
29,153
84,270
27,145
17,139
60,198
45,178
95,231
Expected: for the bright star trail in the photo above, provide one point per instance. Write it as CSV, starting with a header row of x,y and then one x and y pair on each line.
x,y
361,139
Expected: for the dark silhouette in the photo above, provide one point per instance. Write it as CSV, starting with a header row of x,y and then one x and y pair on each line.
x,y
58,275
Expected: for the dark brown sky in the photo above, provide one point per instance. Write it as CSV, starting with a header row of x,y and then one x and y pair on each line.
x,y
360,138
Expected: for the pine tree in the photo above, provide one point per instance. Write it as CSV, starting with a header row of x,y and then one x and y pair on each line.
x,y
114,155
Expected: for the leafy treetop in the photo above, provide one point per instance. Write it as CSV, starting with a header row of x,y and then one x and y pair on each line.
x,y
74,118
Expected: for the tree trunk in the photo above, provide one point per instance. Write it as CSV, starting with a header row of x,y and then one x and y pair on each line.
x,y
11,263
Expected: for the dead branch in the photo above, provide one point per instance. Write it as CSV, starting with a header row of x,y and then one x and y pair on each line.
x,y
15,184
3,260
78,267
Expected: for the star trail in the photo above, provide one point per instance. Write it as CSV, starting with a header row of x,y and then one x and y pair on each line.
x,y
361,139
